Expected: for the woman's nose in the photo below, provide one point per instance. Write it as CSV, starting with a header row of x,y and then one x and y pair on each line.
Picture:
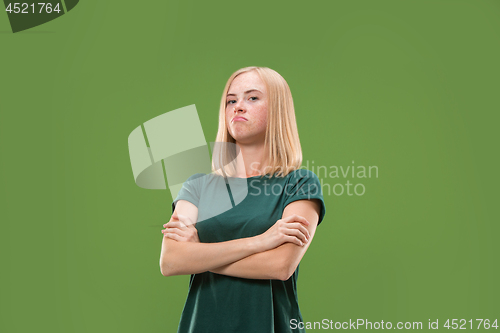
x,y
238,107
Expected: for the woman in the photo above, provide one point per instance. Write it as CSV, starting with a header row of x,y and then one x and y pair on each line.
x,y
243,257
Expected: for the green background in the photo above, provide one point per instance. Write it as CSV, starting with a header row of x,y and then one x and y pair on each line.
x,y
409,86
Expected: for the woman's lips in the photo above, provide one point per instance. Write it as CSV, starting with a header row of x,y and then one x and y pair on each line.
x,y
239,119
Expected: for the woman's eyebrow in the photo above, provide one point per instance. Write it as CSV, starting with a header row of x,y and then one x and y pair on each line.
x,y
246,92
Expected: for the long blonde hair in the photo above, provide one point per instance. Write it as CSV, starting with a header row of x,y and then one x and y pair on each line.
x,y
284,153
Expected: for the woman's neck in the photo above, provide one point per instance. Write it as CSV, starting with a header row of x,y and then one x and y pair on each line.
x,y
251,160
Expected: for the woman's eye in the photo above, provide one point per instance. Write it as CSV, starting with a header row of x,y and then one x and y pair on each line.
x,y
232,100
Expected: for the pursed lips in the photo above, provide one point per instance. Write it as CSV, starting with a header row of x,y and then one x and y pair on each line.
x,y
239,119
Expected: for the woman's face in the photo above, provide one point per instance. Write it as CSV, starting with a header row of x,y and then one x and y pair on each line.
x,y
246,108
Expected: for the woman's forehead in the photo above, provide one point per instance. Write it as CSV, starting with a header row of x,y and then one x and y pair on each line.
x,y
246,83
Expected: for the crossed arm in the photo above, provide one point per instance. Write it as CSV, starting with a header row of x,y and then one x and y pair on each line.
x,y
253,257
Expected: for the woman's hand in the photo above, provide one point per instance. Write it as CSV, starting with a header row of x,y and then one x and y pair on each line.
x,y
290,229
181,228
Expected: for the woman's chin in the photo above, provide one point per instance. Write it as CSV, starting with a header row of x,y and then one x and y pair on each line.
x,y
241,136
243,140
248,140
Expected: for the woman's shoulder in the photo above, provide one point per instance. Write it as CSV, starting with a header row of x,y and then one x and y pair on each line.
x,y
195,181
196,175
301,174
203,178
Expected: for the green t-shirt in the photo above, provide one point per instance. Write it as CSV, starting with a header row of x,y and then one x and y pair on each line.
x,y
232,208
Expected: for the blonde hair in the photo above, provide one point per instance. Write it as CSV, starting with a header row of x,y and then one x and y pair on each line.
x,y
284,153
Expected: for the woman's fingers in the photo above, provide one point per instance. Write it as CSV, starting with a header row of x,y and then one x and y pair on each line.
x,y
178,231
299,227
174,224
296,218
297,234
184,220
174,236
294,226
294,240
291,229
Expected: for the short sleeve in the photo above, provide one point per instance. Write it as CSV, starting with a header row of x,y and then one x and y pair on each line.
x,y
191,190
304,184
